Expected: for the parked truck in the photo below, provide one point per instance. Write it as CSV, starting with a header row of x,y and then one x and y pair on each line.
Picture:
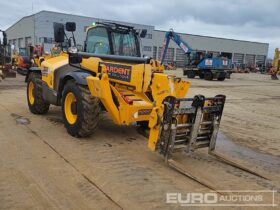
x,y
201,64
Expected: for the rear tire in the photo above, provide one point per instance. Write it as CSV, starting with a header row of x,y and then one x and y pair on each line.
x,y
274,77
81,116
190,74
221,78
208,75
36,102
201,75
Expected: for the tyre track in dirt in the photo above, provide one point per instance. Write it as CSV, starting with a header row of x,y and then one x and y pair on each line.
x,y
34,176
133,177
115,158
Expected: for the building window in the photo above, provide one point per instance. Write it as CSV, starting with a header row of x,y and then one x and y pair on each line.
x,y
155,52
148,36
28,41
147,48
20,43
47,40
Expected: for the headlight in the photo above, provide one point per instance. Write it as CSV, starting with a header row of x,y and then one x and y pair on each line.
x,y
72,50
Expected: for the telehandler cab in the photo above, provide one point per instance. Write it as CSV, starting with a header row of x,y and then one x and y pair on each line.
x,y
110,74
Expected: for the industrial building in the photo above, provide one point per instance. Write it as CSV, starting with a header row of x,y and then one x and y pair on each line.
x,y
38,28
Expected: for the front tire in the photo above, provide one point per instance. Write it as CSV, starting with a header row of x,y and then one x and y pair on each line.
x,y
208,75
36,102
80,110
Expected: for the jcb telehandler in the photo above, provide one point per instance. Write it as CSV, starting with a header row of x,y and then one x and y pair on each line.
x,y
110,74
275,65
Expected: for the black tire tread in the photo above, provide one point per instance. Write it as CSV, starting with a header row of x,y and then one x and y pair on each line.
x,y
40,106
221,78
208,75
91,112
190,74
88,122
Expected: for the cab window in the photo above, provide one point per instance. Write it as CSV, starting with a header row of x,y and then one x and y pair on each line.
x,y
98,41
124,43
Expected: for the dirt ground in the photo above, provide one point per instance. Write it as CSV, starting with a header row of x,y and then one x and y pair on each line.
x,y
42,167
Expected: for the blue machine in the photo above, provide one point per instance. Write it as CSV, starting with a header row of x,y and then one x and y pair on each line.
x,y
177,39
205,66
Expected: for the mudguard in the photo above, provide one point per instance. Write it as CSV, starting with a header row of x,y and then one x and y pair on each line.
x,y
78,76
32,69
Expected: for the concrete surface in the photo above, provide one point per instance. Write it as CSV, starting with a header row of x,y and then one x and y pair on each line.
x,y
42,167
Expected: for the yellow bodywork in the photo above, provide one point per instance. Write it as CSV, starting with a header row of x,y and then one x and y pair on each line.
x,y
30,93
55,51
50,65
276,60
139,98
70,116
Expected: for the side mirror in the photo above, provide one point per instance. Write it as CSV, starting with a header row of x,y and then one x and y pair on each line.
x,y
59,32
5,41
71,26
143,33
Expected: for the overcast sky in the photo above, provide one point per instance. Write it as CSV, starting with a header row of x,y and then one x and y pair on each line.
x,y
252,20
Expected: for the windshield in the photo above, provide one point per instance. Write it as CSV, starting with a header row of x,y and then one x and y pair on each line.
x,y
22,52
98,41
124,44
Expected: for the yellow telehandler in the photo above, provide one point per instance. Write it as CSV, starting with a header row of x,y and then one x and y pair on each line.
x,y
275,65
110,74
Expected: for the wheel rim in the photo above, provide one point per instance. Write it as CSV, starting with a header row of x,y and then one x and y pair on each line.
x,y
70,100
30,93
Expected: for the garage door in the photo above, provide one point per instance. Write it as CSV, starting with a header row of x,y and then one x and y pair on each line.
x,y
20,42
238,58
169,58
155,52
250,59
260,59
28,41
180,58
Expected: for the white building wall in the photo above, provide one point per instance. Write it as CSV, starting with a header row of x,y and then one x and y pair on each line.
x,y
205,43
216,45
44,27
32,30
21,31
